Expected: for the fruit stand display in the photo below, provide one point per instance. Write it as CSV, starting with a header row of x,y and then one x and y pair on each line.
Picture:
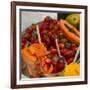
x,y
41,59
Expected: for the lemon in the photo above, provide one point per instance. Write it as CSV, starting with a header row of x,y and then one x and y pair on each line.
x,y
72,70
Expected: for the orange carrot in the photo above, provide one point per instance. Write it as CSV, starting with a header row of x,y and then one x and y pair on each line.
x,y
70,31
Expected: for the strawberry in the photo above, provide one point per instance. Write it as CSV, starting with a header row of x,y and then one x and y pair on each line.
x,y
70,60
75,49
46,39
64,50
48,61
24,41
55,69
22,45
53,51
48,19
54,21
69,53
43,32
60,66
44,26
52,37
51,26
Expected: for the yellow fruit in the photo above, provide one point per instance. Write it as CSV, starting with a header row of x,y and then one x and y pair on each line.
x,y
73,19
72,70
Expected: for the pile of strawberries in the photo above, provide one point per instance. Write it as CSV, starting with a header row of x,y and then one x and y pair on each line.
x,y
52,65
49,31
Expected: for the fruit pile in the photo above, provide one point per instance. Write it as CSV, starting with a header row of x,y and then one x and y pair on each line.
x,y
49,30
52,64
39,61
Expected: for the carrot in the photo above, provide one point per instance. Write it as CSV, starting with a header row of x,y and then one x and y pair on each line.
x,y
70,31
72,27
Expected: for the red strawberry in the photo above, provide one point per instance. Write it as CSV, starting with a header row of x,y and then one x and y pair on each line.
x,y
63,50
44,26
48,19
22,46
53,51
51,26
52,37
43,32
24,41
75,49
69,53
48,61
48,41
60,66
70,60
54,21
55,69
